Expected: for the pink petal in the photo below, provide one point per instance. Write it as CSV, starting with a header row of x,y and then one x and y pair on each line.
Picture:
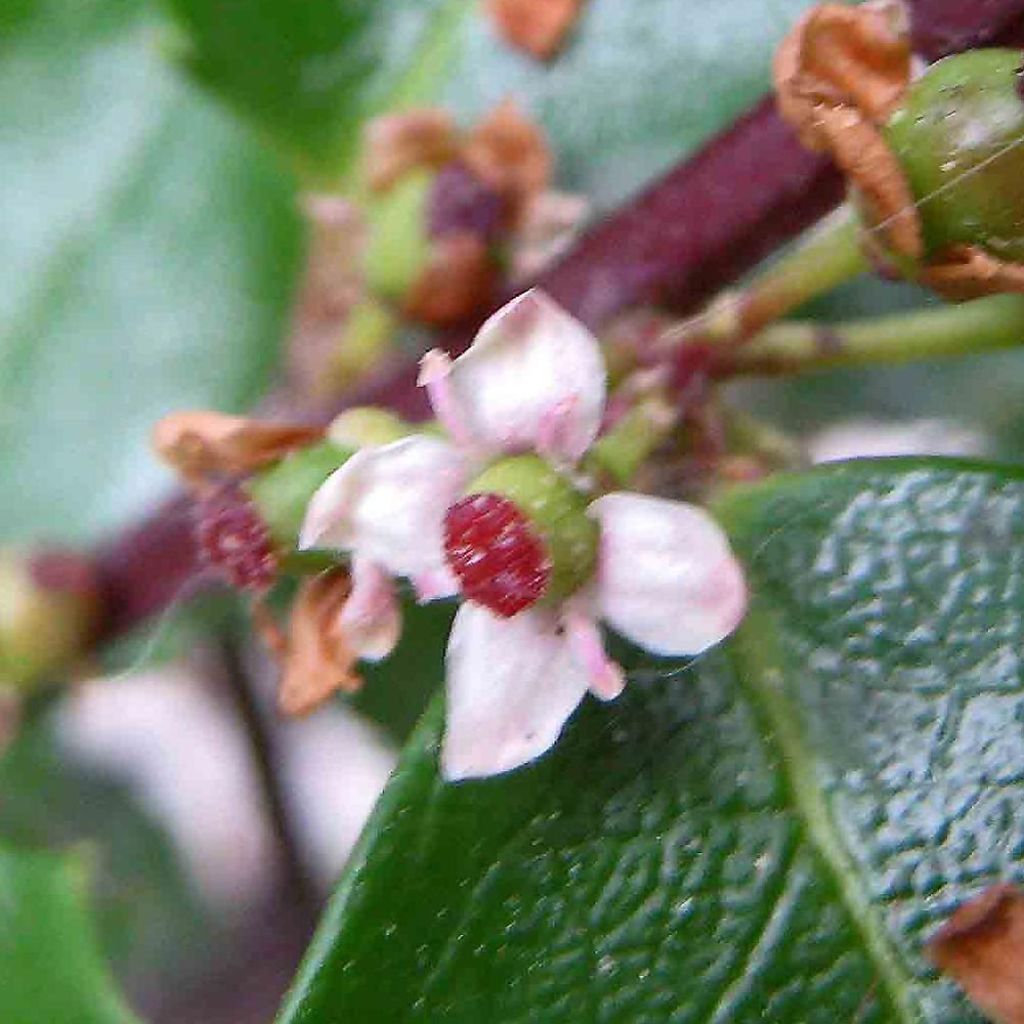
x,y
607,680
371,618
512,683
534,378
434,585
668,579
387,505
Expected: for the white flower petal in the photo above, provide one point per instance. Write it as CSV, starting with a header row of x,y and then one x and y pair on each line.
x,y
512,683
435,585
668,579
534,378
388,505
371,618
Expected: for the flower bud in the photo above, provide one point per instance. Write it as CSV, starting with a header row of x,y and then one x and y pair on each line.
x,y
399,247
49,608
365,340
365,425
957,135
556,513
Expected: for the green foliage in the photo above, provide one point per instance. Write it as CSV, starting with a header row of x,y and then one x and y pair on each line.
x,y
637,86
147,257
765,833
146,911
50,967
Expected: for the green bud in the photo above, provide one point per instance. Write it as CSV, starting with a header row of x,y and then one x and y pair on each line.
x,y
365,337
398,246
556,510
365,425
950,134
282,492
43,627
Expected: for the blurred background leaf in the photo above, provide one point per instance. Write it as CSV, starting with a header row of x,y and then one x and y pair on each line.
x,y
52,968
146,908
636,87
147,259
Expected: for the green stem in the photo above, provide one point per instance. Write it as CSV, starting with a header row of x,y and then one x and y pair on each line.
x,y
981,325
822,260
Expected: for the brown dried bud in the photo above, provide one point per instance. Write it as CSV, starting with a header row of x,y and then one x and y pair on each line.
x,y
316,659
398,143
459,278
838,76
201,444
537,26
510,153
982,947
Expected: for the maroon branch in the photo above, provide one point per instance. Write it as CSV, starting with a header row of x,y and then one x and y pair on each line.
x,y
711,218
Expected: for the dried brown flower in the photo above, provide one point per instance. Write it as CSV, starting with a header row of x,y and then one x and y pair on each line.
x,y
316,659
397,143
510,154
537,26
459,277
200,444
982,947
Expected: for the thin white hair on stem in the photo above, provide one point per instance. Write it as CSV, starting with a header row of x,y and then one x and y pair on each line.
x,y
159,630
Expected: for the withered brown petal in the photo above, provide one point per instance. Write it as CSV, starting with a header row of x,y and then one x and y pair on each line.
x,y
838,75
883,192
200,444
539,27
316,659
510,153
982,947
396,143
459,279
964,272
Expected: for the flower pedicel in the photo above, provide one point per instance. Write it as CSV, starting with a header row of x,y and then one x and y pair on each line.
x,y
502,512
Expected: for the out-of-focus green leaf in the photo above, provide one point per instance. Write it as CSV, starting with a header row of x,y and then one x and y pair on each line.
x,y
50,966
396,690
148,915
637,86
765,833
146,261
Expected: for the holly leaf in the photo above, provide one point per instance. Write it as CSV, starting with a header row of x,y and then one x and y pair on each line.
x,y
767,832
146,262
636,87
50,965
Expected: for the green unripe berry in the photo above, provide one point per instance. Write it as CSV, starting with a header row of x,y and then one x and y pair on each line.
x,y
957,135
398,246
364,425
556,510
282,492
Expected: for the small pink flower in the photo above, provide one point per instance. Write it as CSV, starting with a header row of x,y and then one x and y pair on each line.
x,y
533,381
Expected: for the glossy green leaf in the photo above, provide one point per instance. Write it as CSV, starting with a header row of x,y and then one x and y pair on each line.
x,y
50,965
637,86
146,261
767,833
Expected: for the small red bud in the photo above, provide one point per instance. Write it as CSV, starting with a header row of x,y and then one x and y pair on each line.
x,y
234,539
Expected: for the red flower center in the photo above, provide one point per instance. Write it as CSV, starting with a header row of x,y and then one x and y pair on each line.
x,y
497,556
234,539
